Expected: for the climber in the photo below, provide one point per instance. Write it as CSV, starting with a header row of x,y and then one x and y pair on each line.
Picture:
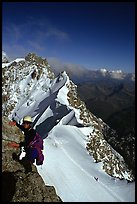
x,y
33,144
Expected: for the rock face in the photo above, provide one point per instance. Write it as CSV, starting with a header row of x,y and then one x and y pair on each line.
x,y
16,185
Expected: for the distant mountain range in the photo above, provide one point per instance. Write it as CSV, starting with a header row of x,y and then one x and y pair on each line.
x,y
80,74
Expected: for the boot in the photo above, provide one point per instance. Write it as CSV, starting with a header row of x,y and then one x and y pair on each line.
x,y
27,165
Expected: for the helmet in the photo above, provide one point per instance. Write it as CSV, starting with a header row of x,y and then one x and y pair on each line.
x,y
27,119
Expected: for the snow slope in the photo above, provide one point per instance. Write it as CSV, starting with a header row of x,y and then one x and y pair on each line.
x,y
72,171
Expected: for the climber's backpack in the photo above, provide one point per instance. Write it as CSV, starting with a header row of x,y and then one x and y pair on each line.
x,y
38,144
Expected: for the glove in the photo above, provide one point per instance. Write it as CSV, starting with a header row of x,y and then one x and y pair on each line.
x,y
12,123
13,144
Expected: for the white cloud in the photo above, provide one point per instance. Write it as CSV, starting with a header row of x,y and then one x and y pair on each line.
x,y
46,29
54,32
36,45
14,32
18,40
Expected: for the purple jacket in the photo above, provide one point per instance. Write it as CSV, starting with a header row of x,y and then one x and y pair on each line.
x,y
37,143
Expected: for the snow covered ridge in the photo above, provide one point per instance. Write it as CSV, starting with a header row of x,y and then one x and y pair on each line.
x,y
30,87
113,163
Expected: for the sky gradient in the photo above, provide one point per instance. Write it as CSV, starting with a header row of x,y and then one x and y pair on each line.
x,y
95,35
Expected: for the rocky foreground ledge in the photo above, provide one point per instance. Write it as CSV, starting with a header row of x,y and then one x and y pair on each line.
x,y
16,185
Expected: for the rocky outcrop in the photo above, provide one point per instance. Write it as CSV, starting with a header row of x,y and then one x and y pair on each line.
x,y
16,185
124,145
113,163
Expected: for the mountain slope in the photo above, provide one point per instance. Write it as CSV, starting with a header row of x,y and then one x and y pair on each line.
x,y
54,104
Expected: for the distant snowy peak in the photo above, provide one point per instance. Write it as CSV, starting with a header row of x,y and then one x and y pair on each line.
x,y
133,77
117,74
5,58
104,72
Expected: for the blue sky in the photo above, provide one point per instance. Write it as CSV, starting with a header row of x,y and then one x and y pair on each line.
x,y
93,34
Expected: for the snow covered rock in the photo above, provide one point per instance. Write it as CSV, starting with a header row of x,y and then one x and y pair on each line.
x,y
5,58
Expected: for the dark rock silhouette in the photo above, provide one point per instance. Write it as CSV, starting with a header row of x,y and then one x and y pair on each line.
x,y
8,186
